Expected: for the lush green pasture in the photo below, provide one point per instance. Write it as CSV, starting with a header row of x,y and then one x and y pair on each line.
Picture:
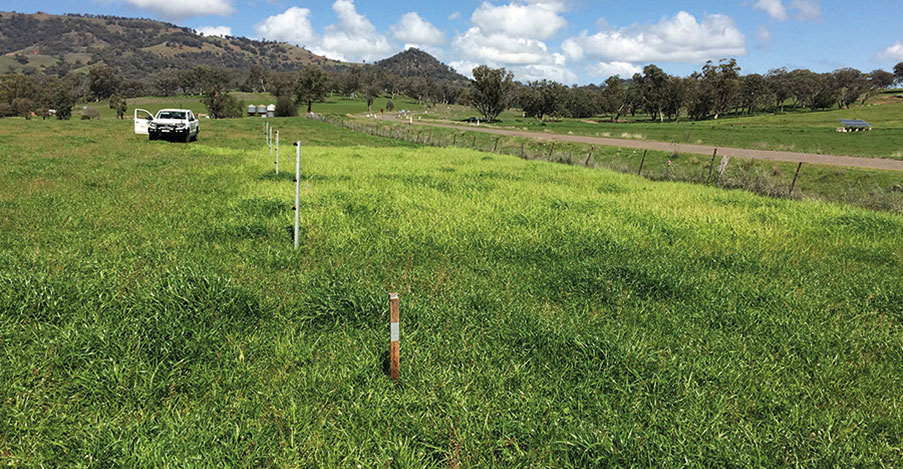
x,y
152,311
804,131
866,188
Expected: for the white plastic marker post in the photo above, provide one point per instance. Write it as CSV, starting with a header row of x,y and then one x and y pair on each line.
x,y
277,152
297,190
394,336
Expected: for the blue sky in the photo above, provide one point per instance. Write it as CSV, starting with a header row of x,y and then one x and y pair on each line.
x,y
570,41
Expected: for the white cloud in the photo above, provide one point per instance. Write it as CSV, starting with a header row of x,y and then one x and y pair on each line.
x,y
678,39
894,52
292,26
806,10
539,20
498,48
414,30
774,8
763,38
464,67
545,71
353,38
572,49
610,69
803,10
221,31
185,9
529,59
454,16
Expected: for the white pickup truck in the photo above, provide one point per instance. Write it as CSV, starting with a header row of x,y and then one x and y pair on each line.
x,y
176,124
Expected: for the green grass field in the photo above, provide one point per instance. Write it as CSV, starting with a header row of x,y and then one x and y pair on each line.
x,y
153,312
875,189
803,131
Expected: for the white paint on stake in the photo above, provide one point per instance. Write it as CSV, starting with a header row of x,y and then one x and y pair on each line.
x,y
394,332
297,190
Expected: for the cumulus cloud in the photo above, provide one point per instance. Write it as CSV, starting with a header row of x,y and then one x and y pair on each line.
x,y
774,8
538,20
185,9
609,69
292,26
414,30
511,36
894,52
806,10
221,31
678,39
353,38
454,16
498,48
803,10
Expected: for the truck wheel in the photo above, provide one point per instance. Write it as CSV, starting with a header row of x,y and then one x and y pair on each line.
x,y
188,137
152,136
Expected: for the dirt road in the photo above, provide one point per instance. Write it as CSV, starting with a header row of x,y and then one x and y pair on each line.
x,y
793,157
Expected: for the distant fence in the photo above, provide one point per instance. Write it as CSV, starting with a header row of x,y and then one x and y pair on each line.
x,y
751,175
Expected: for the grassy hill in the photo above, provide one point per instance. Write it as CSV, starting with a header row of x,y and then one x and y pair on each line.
x,y
152,311
138,47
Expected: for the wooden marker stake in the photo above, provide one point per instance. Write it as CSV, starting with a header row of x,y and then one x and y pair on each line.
x,y
522,155
297,190
277,153
550,151
455,139
394,335
474,143
590,156
712,165
793,184
495,147
642,162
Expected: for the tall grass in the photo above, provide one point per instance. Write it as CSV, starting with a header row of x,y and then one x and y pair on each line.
x,y
152,311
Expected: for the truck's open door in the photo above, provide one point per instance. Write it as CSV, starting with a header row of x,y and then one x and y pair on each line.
x,y
142,118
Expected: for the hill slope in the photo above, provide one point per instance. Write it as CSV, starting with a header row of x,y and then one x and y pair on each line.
x,y
417,63
57,44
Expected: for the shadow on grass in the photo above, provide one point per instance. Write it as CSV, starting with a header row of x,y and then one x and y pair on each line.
x,y
282,176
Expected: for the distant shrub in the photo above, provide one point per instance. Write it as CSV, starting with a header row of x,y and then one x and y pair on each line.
x,y
390,105
285,107
222,105
5,110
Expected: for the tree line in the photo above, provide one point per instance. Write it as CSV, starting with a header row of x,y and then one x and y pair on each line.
x,y
716,90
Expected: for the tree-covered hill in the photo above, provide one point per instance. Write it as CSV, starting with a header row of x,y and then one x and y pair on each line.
x,y
53,44
417,63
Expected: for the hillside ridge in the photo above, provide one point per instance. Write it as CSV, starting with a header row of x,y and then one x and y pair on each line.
x,y
57,44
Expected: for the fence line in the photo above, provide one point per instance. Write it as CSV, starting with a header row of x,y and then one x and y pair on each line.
x,y
566,158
